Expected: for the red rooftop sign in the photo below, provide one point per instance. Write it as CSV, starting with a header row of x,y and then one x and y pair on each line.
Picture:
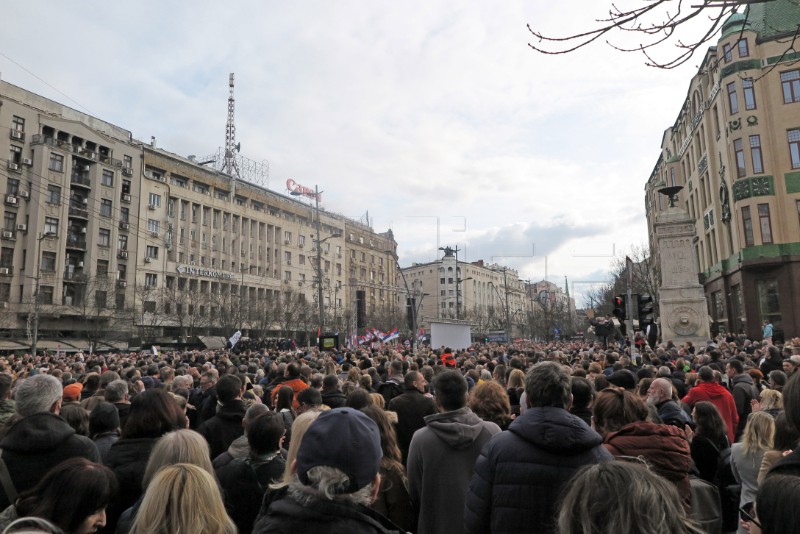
x,y
297,189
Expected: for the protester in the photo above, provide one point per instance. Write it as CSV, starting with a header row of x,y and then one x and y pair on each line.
x,y
746,456
182,498
622,497
73,495
104,427
411,407
489,401
709,390
710,437
226,425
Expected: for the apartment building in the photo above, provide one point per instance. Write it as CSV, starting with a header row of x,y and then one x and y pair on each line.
x,y
735,150
135,241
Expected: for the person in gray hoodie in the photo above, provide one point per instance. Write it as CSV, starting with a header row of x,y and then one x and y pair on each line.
x,y
442,455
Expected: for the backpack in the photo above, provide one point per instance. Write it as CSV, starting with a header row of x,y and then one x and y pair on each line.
x,y
390,390
729,489
706,506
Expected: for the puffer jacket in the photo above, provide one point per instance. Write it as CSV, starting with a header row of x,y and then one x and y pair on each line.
x,y
664,447
520,472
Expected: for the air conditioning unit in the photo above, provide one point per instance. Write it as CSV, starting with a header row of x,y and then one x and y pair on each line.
x,y
24,194
4,305
5,271
13,166
86,168
154,234
80,265
22,227
83,230
122,254
27,161
124,226
126,197
19,136
122,283
288,262
300,245
8,234
86,200
288,242
127,171
11,200
148,259
152,206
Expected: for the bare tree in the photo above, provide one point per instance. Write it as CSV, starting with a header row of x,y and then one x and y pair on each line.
x,y
148,310
655,24
90,300
646,276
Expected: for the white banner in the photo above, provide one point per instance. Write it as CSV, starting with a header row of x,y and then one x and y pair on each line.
x,y
235,338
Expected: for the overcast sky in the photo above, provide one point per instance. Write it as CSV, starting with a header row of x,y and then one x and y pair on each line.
x,y
433,116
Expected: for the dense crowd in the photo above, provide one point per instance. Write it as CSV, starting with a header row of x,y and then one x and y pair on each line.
x,y
566,437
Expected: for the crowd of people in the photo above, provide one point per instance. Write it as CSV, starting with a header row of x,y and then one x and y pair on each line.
x,y
562,437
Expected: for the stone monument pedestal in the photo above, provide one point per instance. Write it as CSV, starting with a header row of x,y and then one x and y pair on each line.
x,y
681,299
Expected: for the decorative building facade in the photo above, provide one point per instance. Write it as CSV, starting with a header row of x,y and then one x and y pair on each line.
x,y
122,239
735,150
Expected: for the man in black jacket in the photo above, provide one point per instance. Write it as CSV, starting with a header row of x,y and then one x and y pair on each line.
x,y
41,439
411,408
520,473
226,426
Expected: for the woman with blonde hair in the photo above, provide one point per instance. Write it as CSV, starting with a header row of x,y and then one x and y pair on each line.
x,y
746,456
180,446
182,498
771,402
514,389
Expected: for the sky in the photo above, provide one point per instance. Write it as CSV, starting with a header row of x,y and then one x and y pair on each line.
x,y
434,117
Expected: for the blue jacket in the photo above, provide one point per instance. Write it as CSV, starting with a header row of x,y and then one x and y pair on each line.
x,y
520,473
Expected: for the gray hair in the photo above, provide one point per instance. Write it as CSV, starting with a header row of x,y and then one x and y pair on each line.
x,y
182,381
116,391
37,394
323,482
254,411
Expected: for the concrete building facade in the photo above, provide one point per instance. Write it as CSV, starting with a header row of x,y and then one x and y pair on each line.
x,y
124,239
735,150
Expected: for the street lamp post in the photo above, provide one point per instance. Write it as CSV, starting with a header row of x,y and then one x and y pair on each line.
x,y
321,310
36,290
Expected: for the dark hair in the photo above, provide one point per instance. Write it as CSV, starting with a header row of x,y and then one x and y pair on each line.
x,y
5,384
582,392
310,396
786,435
358,399
330,381
777,377
547,384
615,408
736,365
293,371
264,432
77,417
451,390
777,504
91,383
69,493
154,412
285,399
709,422
228,388
791,400
410,378
706,374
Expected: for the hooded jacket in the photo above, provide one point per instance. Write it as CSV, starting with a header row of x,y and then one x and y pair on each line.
x,y
35,444
224,427
664,447
520,473
287,516
719,397
441,458
743,390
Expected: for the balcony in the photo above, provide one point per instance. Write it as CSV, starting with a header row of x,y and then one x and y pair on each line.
x,y
76,241
79,212
80,178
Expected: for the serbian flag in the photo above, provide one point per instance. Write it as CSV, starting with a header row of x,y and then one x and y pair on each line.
x,y
394,334
421,333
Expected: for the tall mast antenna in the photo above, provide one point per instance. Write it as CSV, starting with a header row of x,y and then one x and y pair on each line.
x,y
229,165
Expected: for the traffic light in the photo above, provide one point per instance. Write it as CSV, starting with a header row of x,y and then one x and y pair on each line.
x,y
619,307
646,311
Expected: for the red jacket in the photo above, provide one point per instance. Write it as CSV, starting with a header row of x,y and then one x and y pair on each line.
x,y
719,397
297,386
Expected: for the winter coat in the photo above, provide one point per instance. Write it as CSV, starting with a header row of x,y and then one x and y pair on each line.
x,y
7,410
719,397
441,459
672,414
392,501
244,482
37,443
297,386
745,470
239,448
664,447
127,458
286,516
104,442
333,399
705,454
223,428
411,407
743,390
520,473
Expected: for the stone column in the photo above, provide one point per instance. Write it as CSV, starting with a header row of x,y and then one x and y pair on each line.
x,y
682,302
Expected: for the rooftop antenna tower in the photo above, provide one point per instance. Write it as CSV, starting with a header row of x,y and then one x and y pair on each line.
x,y
229,165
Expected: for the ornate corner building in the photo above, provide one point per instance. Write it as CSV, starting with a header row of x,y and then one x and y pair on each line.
x,y
735,150
107,237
